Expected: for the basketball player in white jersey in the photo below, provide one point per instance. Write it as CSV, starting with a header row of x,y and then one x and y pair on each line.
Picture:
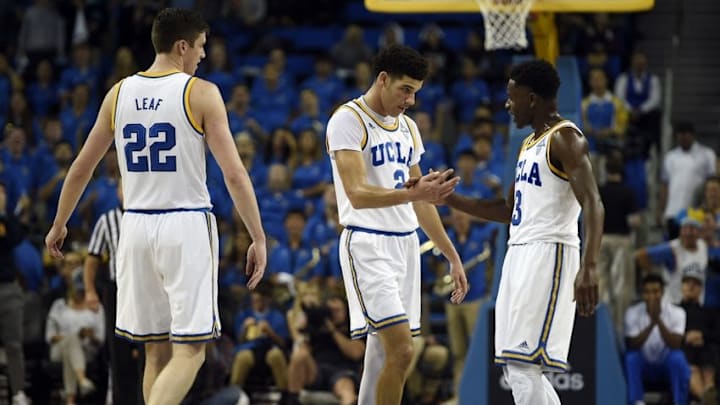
x,y
167,254
374,148
543,277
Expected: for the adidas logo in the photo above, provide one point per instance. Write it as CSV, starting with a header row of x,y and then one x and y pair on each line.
x,y
523,345
370,124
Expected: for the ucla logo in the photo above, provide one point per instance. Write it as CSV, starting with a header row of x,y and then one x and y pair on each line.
x,y
390,152
532,177
539,147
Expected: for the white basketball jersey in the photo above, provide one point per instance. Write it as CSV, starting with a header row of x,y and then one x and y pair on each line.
x,y
545,209
160,148
389,146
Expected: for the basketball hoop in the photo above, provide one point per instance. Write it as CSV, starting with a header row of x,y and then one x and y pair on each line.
x,y
505,23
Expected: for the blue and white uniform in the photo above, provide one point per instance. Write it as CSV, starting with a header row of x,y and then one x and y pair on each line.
x,y
168,250
535,310
379,248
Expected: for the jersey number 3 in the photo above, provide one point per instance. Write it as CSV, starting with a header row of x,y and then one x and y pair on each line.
x,y
135,155
517,215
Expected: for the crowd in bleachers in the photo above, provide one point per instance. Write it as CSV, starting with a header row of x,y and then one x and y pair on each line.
x,y
282,67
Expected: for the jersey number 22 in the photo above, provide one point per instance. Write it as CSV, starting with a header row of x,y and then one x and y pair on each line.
x,y
135,155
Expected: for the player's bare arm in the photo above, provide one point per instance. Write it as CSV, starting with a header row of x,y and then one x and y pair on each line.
x,y
491,209
430,222
353,174
570,152
90,267
207,103
80,172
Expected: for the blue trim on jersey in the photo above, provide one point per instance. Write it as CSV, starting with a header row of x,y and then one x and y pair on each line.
x,y
137,338
353,273
359,333
213,268
554,291
154,212
378,232
532,359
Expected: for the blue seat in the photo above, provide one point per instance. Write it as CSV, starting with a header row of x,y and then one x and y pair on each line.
x,y
300,65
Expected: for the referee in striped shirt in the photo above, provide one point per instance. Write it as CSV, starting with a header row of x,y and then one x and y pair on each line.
x,y
125,362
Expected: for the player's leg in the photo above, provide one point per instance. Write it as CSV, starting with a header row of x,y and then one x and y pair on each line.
x,y
186,256
550,393
143,310
526,383
372,365
398,346
157,356
176,378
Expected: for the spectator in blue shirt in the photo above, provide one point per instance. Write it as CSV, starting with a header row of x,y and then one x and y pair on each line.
x,y
469,91
310,115
82,71
218,70
44,155
362,80
473,241
274,98
433,91
604,115
488,170
282,148
78,117
17,160
293,258
19,115
52,183
243,117
435,156
262,335
470,186
7,78
123,67
322,222
276,199
101,195
247,149
43,93
312,173
325,84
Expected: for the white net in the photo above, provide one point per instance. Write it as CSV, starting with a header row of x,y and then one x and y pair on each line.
x,y
505,23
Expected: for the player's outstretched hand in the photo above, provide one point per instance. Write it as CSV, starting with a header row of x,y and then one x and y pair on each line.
x,y
586,291
255,263
434,186
55,239
461,285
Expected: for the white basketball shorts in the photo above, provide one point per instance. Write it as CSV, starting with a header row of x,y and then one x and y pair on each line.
x,y
535,310
167,265
381,272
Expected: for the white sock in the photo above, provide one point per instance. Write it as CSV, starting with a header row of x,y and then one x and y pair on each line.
x,y
372,366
